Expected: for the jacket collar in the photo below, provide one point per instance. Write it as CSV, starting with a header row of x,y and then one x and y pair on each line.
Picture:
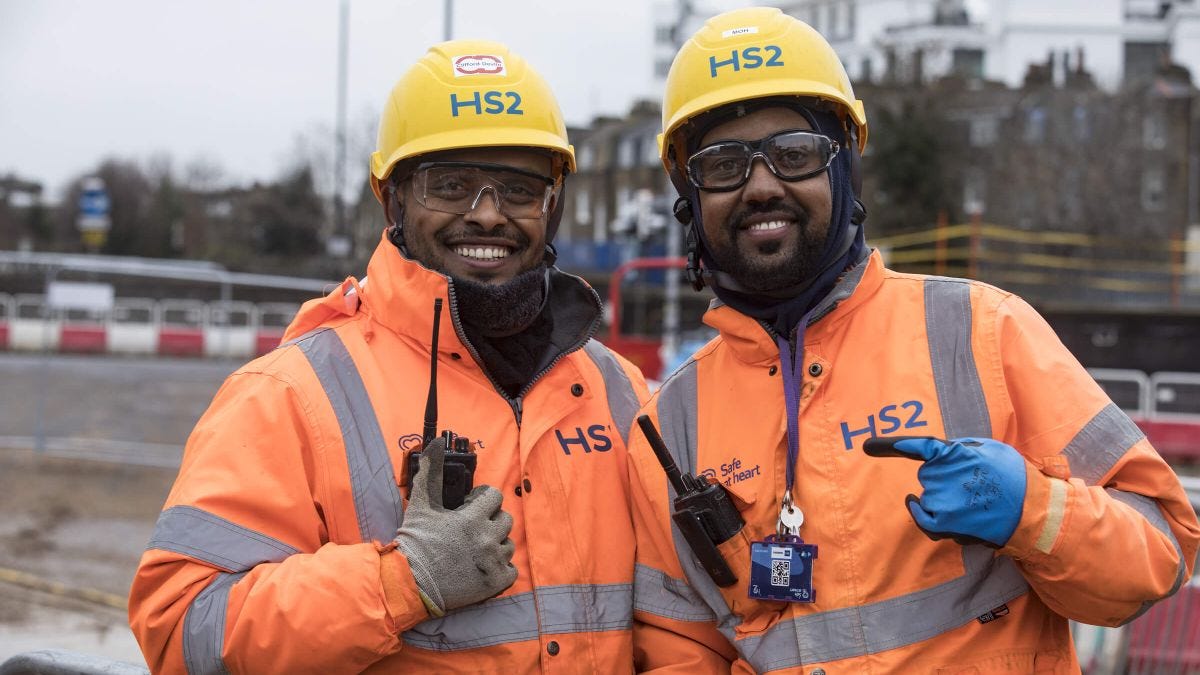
x,y
751,341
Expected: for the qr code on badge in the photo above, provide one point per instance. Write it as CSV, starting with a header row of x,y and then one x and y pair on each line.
x,y
781,572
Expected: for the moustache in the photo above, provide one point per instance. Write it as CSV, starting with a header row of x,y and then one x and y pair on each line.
x,y
512,236
781,211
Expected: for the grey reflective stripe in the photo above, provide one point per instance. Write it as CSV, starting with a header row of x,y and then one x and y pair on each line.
x,y
582,608
622,399
877,627
948,327
204,627
656,593
1095,450
211,539
585,608
1150,510
677,403
372,479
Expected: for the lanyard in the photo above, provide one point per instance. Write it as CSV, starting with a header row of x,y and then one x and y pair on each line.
x,y
790,517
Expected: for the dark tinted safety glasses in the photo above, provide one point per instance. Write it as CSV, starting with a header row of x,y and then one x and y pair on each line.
x,y
456,187
791,155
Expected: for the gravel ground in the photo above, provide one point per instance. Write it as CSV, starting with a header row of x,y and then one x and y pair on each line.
x,y
81,524
77,517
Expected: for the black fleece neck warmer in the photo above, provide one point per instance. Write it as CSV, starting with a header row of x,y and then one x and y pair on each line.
x,y
507,325
844,244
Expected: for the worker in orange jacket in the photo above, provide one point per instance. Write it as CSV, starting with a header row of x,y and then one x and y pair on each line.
x,y
290,544
896,473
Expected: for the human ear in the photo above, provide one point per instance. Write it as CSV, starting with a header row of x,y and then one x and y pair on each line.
x,y
393,204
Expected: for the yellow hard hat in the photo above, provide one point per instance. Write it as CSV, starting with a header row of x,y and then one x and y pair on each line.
x,y
751,53
468,94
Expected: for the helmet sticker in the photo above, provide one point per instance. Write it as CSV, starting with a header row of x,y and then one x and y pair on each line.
x,y
748,30
478,64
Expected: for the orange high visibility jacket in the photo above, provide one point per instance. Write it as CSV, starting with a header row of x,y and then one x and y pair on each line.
x,y
273,552
1106,529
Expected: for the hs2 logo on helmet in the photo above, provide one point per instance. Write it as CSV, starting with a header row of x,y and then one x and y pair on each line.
x,y
487,103
748,59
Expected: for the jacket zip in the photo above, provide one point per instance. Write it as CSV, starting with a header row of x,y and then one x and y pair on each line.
x,y
517,403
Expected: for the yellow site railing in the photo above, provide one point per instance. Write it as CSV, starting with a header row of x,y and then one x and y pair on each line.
x,y
1060,267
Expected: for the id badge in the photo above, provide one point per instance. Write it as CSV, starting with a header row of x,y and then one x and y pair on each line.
x,y
781,569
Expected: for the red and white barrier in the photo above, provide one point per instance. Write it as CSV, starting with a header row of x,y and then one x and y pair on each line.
x,y
273,319
236,330
6,312
132,327
181,330
229,330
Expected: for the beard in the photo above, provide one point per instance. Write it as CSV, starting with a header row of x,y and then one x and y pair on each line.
x,y
501,310
767,266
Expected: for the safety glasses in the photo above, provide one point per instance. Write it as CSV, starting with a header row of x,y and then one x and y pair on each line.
x,y
791,155
457,187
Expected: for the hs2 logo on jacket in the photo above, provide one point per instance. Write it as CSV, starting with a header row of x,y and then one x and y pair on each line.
x,y
592,439
891,418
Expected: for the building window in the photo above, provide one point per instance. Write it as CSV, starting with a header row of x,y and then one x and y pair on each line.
x,y
974,191
835,24
865,73
983,131
584,158
851,19
583,207
1153,189
810,15
635,150
968,63
1154,131
1142,59
625,153
600,229
662,67
1035,125
650,151
1082,123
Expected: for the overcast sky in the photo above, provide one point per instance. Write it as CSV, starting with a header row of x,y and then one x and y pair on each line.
x,y
234,82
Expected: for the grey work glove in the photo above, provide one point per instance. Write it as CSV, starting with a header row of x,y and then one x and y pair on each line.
x,y
457,557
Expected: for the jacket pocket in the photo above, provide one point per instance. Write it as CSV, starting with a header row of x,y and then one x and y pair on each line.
x,y
756,615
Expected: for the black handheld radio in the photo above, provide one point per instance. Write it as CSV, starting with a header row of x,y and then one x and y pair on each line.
x,y
704,513
458,468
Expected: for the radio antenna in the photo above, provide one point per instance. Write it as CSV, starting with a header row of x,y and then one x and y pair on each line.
x,y
681,483
431,411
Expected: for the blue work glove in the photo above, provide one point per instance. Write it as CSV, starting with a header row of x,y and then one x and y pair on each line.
x,y
974,487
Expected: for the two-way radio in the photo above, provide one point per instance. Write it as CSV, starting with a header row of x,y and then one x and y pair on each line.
x,y
458,468
704,513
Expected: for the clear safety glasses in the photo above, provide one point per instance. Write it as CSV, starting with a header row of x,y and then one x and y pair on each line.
x,y
791,155
457,187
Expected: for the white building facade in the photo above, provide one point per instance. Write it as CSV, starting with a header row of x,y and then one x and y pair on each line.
x,y
919,40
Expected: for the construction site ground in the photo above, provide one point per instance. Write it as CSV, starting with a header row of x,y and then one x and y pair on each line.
x,y
89,447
